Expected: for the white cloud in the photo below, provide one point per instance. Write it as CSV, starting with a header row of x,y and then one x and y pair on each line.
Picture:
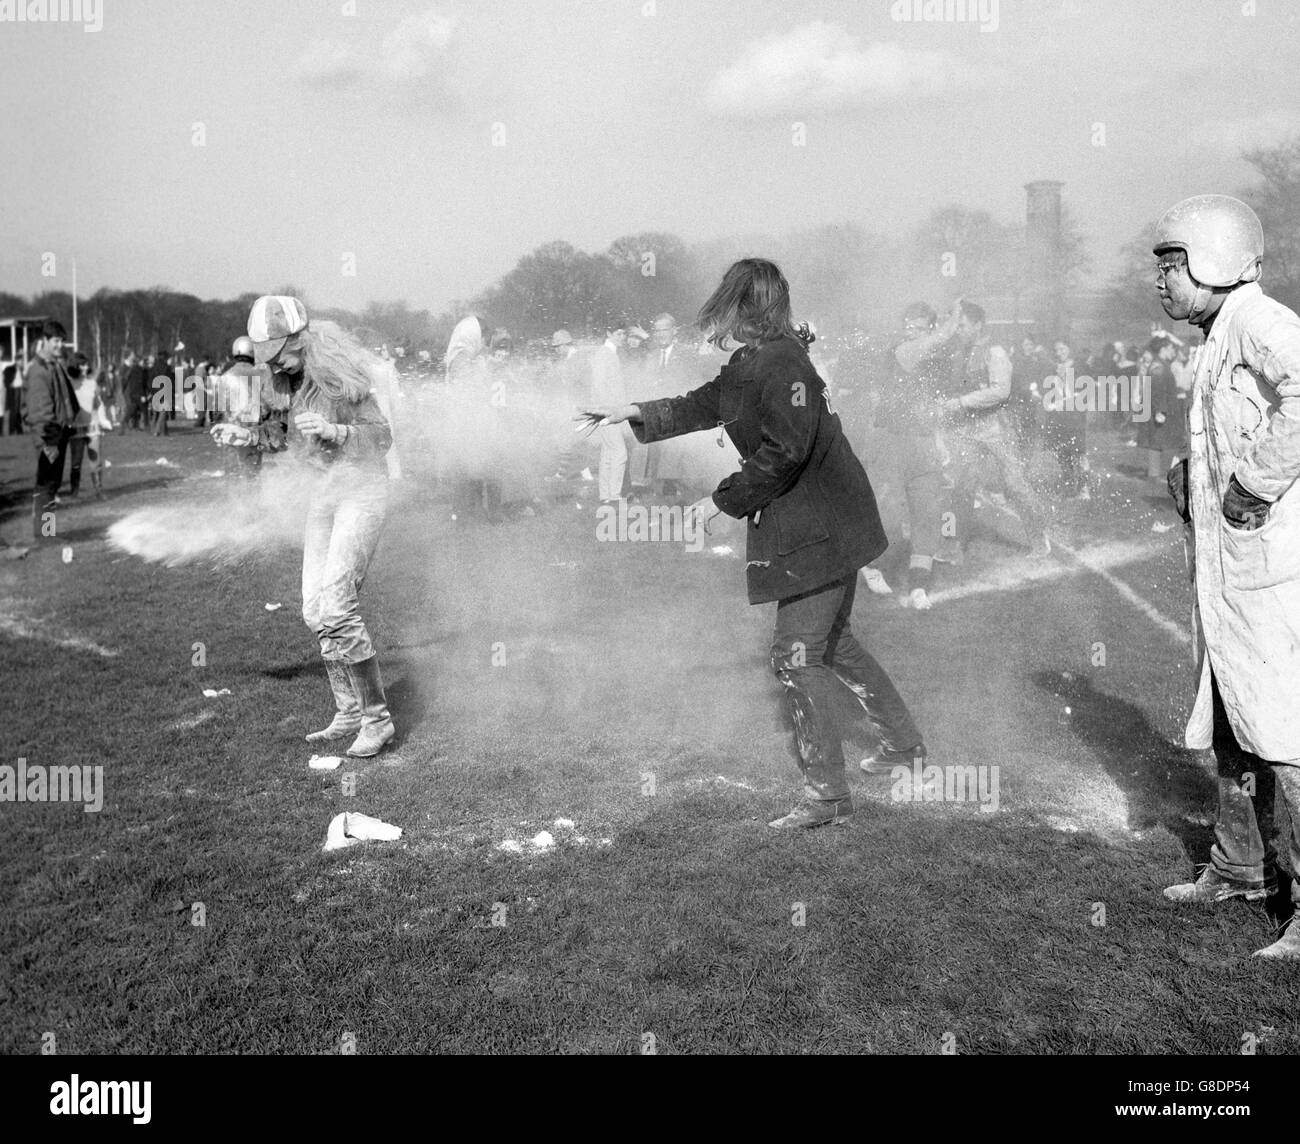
x,y
414,51
820,66
416,46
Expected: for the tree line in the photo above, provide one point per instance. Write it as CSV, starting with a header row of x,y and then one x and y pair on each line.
x,y
843,277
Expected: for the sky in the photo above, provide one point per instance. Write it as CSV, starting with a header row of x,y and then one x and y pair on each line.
x,y
381,150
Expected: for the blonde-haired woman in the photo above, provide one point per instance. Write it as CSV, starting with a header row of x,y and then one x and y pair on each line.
x,y
338,429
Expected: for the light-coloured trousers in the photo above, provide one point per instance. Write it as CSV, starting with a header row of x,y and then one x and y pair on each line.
x,y
344,520
613,461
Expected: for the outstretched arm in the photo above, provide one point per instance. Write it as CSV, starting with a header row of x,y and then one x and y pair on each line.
x,y
665,417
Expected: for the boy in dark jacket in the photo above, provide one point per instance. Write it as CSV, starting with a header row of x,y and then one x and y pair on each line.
x,y
50,414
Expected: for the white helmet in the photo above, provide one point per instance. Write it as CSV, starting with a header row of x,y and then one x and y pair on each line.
x,y
1221,235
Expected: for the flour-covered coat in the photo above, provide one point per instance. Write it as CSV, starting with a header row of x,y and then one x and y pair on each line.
x,y
1245,420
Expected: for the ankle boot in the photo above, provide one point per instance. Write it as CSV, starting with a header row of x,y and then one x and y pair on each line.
x,y
376,723
347,718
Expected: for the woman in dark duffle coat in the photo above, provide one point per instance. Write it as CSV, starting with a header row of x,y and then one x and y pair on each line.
x,y
812,523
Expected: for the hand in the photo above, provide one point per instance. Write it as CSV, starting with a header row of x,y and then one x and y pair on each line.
x,y
314,425
593,417
701,513
1242,509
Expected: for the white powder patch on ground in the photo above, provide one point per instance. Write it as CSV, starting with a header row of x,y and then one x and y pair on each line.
x,y
545,841
23,627
719,780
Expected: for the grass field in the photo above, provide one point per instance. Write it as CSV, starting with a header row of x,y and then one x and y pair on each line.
x,y
537,675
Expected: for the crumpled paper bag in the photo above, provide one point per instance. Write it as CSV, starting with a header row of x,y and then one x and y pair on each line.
x,y
349,828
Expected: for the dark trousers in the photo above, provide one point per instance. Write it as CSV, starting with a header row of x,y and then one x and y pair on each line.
x,y
814,653
87,448
132,414
49,474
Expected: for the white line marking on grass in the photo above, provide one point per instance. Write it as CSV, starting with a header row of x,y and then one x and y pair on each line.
x,y
23,629
195,721
1017,574
1090,561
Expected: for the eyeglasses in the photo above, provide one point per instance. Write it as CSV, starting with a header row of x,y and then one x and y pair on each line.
x,y
1167,266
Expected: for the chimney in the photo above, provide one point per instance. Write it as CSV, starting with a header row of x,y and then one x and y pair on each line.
x,y
1042,258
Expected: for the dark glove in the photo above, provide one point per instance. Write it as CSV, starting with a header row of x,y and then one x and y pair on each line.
x,y
1243,509
1176,479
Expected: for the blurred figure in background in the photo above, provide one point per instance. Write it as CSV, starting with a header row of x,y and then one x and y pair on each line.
x,y
465,452
1030,365
160,398
670,370
607,389
1162,435
1183,370
50,415
254,411
908,416
133,411
92,423
975,435
1065,432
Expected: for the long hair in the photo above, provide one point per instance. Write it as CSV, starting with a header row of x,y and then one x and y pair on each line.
x,y
464,348
335,367
751,304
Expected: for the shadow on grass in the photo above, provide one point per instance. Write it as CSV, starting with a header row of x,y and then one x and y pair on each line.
x,y
1163,783
407,704
309,666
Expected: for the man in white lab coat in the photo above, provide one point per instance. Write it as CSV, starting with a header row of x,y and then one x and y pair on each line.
x,y
1239,494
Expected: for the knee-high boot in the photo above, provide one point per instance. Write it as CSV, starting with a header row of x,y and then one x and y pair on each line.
x,y
347,716
376,722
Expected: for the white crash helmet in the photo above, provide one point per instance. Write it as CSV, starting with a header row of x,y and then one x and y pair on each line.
x,y
1222,238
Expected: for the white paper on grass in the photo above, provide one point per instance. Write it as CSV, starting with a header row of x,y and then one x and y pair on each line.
x,y
211,693
325,762
349,828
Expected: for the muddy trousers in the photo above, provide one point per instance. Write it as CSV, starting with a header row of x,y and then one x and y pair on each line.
x,y
815,655
1258,833
343,526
